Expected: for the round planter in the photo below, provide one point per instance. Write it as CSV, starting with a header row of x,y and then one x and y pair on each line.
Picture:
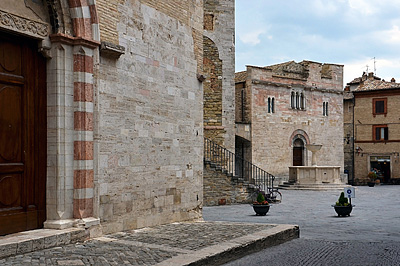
x,y
371,184
343,210
261,209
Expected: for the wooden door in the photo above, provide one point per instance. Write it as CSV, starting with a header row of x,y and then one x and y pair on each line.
x,y
297,156
22,135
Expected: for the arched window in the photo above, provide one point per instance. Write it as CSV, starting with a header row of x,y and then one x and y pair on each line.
x,y
297,100
269,105
292,100
273,105
302,101
325,108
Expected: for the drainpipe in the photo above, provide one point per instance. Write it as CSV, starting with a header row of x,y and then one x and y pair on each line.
x,y
353,155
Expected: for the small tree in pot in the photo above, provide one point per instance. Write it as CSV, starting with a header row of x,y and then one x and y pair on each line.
x,y
372,177
342,206
261,206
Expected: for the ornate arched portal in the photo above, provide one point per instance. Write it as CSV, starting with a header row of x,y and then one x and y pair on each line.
x,y
298,140
66,33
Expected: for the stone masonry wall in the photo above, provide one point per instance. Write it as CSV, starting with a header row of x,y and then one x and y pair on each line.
x,y
148,115
219,30
272,133
348,136
219,189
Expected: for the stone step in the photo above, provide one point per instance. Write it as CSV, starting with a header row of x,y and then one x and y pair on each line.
x,y
326,186
28,241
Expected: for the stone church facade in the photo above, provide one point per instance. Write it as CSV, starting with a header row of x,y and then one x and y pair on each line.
x,y
101,106
282,108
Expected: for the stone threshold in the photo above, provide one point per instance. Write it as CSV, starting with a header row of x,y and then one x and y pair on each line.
x,y
33,240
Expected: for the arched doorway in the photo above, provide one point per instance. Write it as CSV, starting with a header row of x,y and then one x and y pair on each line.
x,y
298,151
22,135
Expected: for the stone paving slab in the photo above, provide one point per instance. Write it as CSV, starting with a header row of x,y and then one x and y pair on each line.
x,y
196,243
33,240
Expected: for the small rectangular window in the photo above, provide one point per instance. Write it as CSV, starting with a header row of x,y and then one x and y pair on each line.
x,y
381,132
379,106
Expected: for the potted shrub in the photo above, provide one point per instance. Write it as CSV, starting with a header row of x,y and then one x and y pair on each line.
x,y
372,177
342,206
261,206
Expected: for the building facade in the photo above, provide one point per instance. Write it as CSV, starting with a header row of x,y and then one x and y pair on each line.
x,y
282,108
373,120
101,112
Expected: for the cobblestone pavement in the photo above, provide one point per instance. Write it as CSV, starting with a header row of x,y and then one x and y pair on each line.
x,y
370,236
318,252
140,247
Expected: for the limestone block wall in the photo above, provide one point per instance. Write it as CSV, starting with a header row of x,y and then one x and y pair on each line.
x,y
219,69
220,189
148,114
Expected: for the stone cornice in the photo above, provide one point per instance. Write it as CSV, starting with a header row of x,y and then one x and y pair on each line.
x,y
63,38
23,25
311,88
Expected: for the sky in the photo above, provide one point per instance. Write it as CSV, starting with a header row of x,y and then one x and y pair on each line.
x,y
346,32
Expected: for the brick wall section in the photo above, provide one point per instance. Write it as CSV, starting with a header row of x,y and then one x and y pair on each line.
x,y
364,122
109,18
218,188
148,117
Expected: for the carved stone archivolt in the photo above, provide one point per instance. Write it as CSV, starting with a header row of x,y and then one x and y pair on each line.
x,y
23,25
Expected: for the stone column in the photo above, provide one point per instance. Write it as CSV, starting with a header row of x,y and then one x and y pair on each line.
x,y
60,147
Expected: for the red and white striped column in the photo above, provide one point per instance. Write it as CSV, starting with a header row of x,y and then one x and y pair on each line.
x,y
85,23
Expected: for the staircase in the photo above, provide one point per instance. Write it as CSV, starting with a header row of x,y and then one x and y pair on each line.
x,y
240,170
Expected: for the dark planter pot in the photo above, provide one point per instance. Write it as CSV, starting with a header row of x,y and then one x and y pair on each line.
x,y
261,209
343,210
371,184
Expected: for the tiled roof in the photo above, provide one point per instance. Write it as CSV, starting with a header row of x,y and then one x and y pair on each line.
x,y
240,76
347,95
355,81
372,85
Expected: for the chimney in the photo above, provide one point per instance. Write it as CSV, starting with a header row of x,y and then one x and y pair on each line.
x,y
393,80
371,75
364,76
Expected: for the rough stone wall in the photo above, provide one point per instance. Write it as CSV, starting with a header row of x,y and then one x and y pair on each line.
x,y
364,122
148,115
272,133
348,137
219,189
219,30
212,86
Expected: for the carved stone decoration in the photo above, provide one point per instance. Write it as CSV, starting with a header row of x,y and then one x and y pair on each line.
x,y
111,50
23,25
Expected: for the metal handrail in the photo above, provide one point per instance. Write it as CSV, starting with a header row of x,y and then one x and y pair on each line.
x,y
235,165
